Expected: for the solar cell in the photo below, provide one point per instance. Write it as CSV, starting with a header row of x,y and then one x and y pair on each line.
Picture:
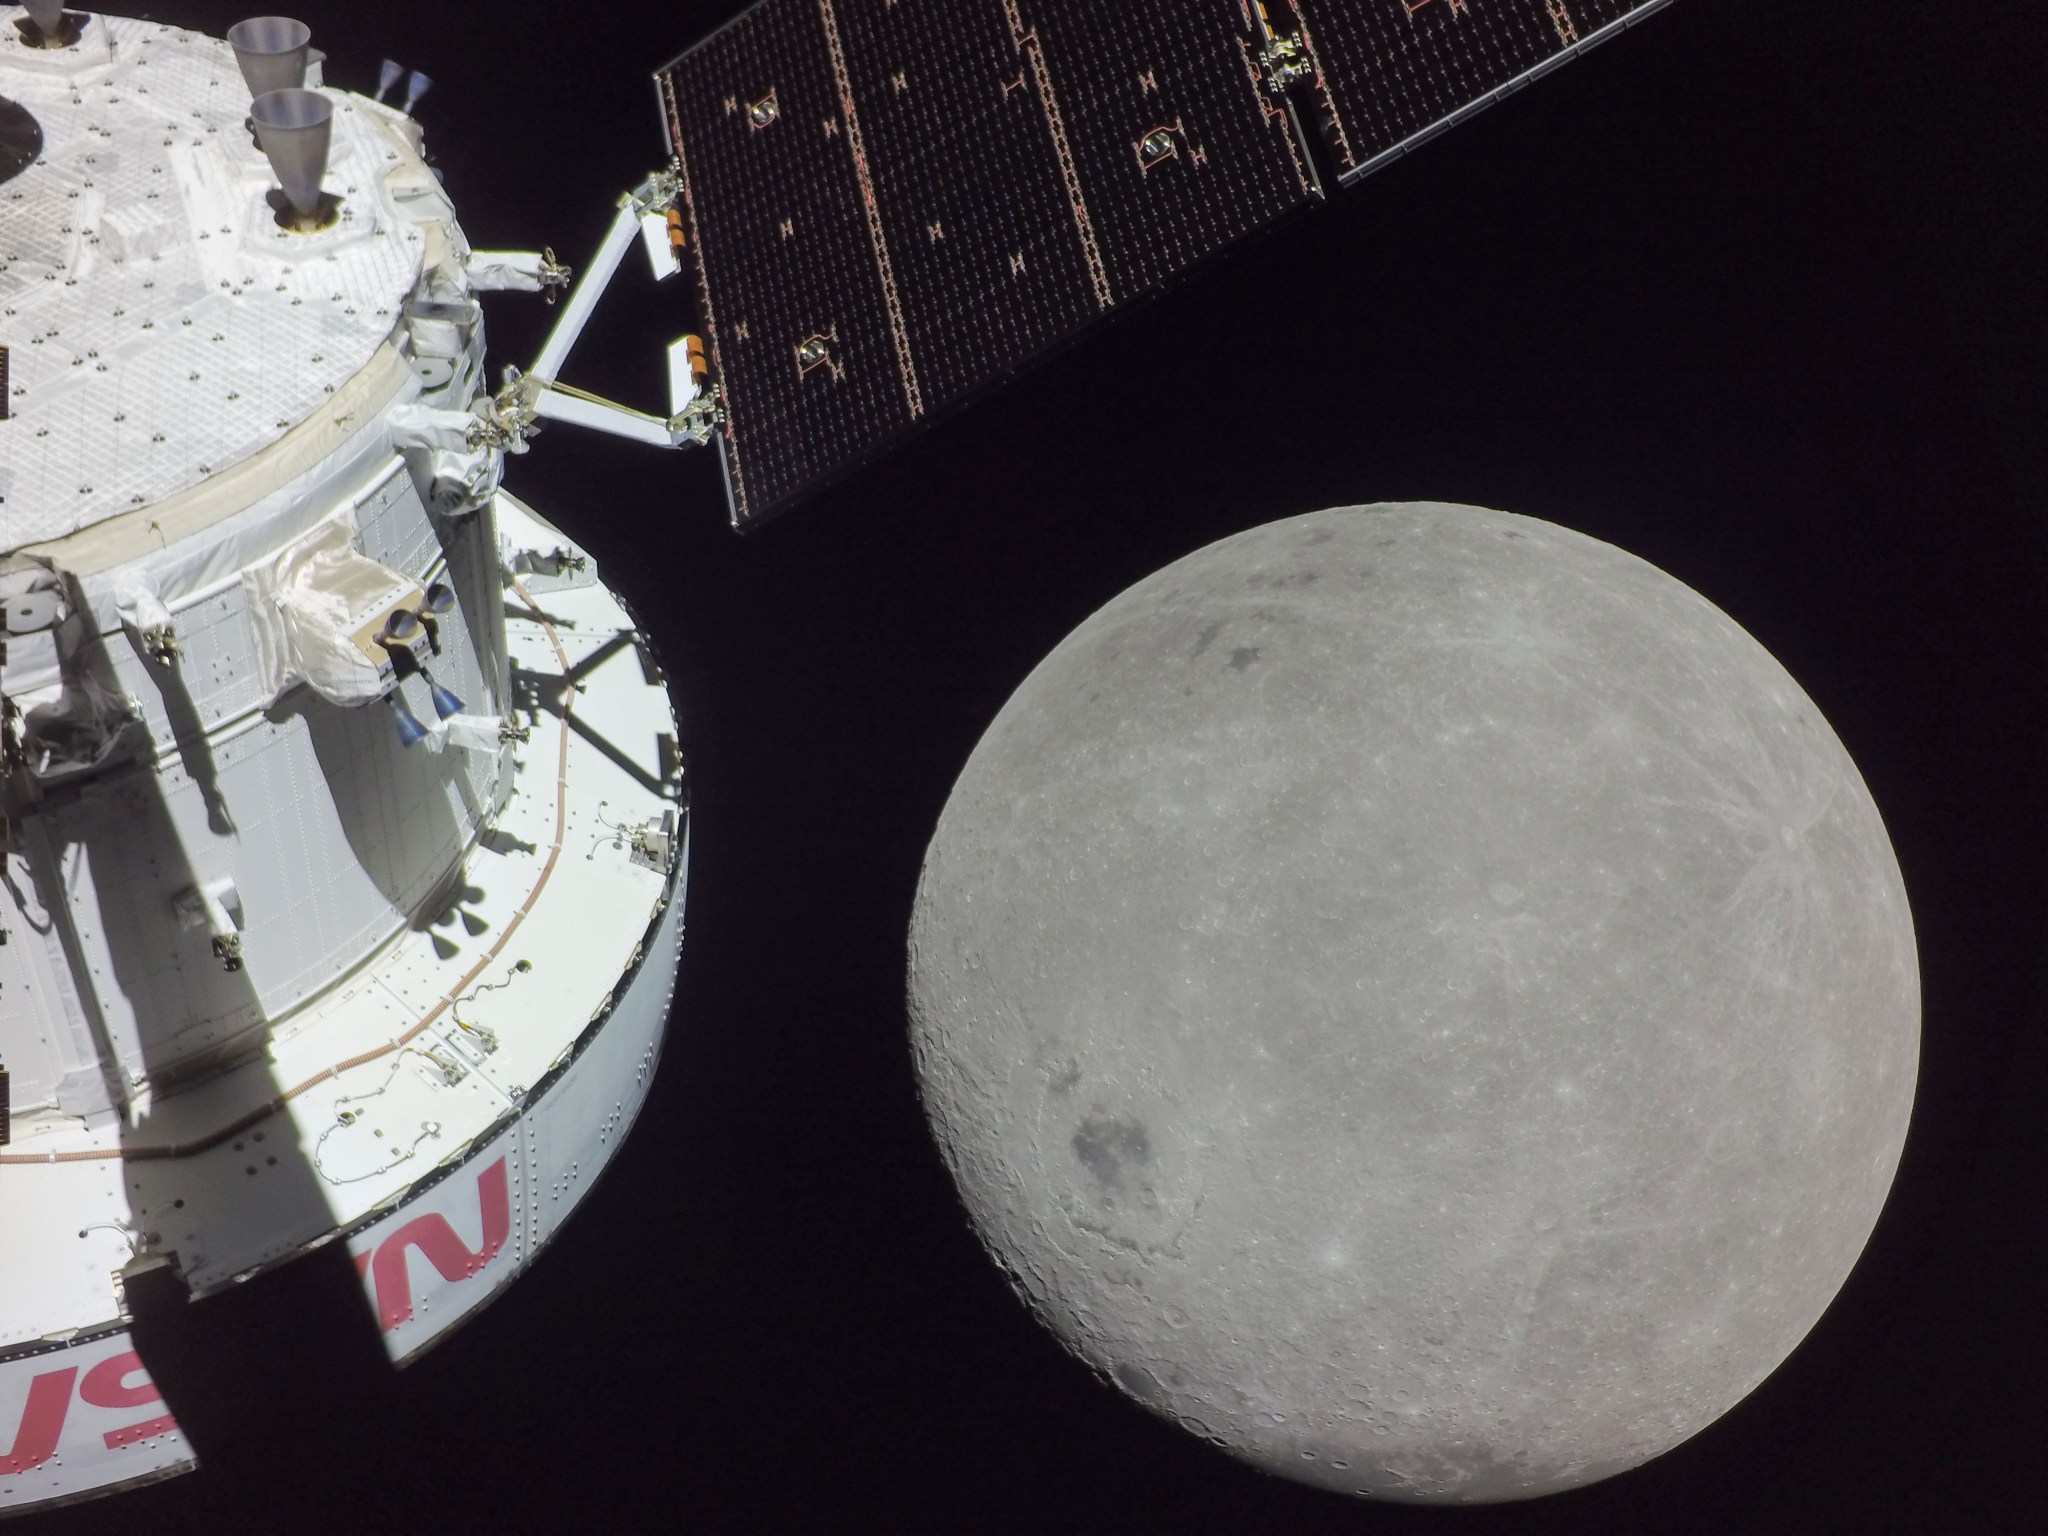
x,y
894,204
794,315
1390,73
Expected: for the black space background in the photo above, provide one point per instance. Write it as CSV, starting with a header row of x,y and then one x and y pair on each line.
x,y
1755,291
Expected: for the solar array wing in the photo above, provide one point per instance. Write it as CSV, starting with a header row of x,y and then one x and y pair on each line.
x,y
1391,73
892,205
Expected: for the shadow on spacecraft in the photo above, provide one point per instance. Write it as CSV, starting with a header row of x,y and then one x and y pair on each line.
x,y
345,811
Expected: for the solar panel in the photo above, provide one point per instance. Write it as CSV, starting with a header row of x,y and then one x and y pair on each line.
x,y
1390,73
891,205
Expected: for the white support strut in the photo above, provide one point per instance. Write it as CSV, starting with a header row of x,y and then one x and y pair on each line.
x,y
585,411
539,392
590,287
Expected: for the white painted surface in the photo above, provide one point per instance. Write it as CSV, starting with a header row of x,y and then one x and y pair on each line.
x,y
443,1254
330,830
662,259
455,958
86,1418
588,288
161,326
82,1418
565,948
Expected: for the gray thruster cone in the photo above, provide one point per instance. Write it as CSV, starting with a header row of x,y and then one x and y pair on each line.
x,y
48,15
294,128
272,51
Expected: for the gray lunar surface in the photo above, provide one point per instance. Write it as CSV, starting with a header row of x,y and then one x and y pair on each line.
x,y
1420,997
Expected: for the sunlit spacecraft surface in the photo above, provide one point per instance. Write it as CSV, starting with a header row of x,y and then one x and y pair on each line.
x,y
345,807
345,820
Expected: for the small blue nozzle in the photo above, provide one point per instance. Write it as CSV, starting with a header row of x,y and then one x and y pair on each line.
x,y
445,703
389,73
409,728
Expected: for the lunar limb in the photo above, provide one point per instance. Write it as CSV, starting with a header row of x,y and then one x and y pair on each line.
x,y
1420,997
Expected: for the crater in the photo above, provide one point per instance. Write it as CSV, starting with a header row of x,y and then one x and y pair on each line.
x,y
1107,1148
1137,1381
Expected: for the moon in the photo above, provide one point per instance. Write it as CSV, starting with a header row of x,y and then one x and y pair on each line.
x,y
1421,998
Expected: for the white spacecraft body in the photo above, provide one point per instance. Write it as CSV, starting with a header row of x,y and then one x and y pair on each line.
x,y
272,974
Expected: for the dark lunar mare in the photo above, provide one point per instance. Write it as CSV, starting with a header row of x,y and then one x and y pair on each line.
x,y
1420,998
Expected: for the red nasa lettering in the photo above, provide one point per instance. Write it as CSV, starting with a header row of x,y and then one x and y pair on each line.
x,y
42,1421
439,1246
108,1383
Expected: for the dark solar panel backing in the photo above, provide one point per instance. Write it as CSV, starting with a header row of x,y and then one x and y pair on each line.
x,y
1392,72
783,257
892,204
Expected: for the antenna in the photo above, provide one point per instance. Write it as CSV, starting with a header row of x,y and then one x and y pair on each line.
x,y
295,127
272,52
